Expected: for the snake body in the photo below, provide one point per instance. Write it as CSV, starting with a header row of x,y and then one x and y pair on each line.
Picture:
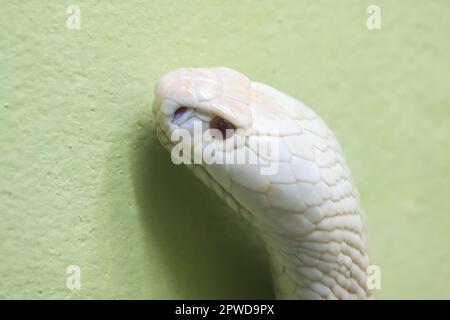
x,y
307,213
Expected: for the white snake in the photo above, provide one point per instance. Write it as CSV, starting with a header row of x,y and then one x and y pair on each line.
x,y
308,213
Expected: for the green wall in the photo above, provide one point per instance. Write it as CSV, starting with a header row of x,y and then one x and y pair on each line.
x,y
83,181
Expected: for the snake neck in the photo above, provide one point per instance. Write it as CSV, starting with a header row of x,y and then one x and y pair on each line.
x,y
319,253
320,264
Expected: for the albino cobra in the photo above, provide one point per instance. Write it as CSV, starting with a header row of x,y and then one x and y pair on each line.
x,y
307,213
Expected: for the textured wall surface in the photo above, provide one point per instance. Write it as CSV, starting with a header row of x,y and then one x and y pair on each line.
x,y
83,181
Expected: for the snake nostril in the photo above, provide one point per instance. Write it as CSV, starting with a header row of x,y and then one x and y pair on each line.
x,y
178,113
225,127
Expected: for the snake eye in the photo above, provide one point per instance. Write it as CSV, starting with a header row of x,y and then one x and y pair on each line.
x,y
225,127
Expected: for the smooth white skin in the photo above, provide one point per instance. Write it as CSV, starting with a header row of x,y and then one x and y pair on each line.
x,y
308,213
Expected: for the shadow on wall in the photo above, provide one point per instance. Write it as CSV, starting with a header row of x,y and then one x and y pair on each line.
x,y
209,254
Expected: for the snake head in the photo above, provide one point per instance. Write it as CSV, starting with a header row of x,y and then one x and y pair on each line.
x,y
217,104
212,99
205,93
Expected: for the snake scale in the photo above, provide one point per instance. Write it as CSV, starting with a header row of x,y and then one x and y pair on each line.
x,y
307,213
